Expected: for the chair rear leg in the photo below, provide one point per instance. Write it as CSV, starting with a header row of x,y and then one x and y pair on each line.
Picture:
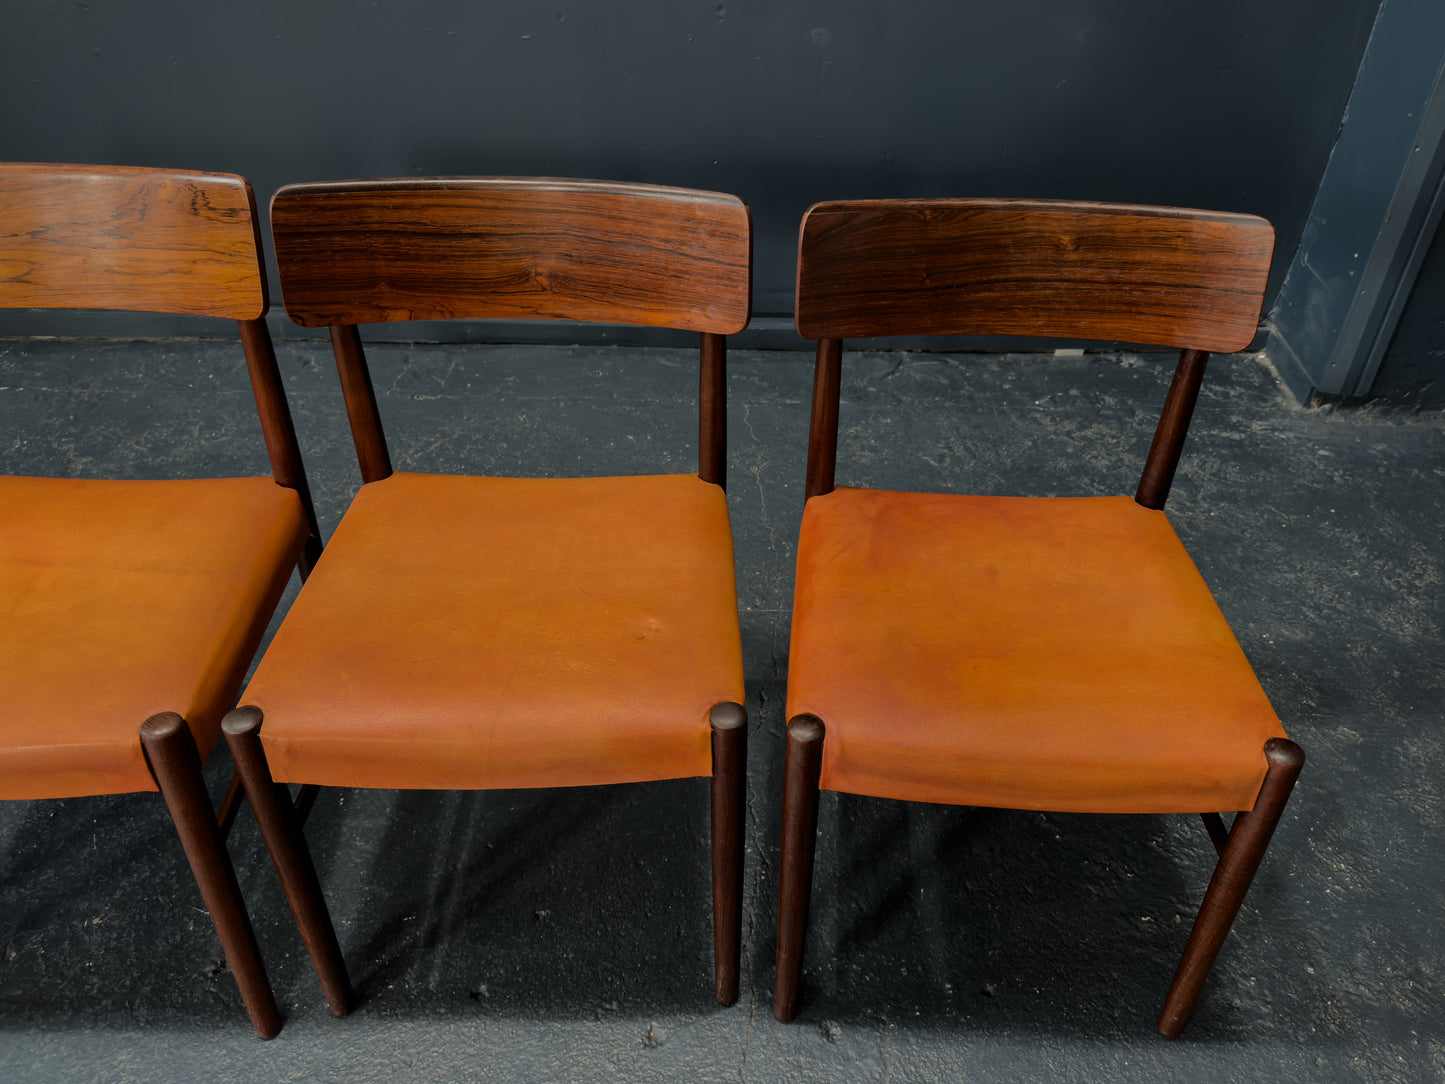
x,y
801,768
729,779
271,803
1232,876
176,764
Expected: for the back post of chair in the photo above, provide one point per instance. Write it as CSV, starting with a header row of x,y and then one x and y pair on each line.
x,y
712,407
509,248
823,425
1173,427
360,397
276,426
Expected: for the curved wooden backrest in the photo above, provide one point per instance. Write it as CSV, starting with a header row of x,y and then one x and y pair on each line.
x,y
1148,275
121,237
512,248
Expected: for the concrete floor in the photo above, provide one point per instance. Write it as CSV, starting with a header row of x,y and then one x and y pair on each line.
x,y
564,935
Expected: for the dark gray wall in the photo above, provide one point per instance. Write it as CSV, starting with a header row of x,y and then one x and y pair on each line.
x,y
1232,104
1379,199
1413,372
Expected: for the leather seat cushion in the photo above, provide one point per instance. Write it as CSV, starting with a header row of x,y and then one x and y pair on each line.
x,y
121,599
464,632
1029,653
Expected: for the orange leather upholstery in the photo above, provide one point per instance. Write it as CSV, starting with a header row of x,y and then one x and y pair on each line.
x,y
121,599
1028,653
464,632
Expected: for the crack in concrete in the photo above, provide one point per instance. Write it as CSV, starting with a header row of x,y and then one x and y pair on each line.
x,y
753,820
752,907
780,614
405,368
767,523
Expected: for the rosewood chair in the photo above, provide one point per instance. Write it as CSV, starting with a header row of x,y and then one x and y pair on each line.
x,y
478,633
1024,652
130,610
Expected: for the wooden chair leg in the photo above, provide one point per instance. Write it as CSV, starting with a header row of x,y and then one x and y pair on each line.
x,y
1218,833
306,796
729,780
801,767
230,806
271,804
1237,866
176,764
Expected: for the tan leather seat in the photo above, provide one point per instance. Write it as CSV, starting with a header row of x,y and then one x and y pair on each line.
x,y
1007,651
538,633
123,599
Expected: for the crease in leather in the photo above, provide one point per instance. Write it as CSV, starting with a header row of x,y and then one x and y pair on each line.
x,y
1021,652
122,599
480,633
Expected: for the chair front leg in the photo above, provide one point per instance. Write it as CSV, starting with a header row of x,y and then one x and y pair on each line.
x,y
175,762
271,803
729,780
1237,866
801,768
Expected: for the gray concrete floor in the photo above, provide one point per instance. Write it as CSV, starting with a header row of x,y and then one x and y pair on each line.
x,y
564,935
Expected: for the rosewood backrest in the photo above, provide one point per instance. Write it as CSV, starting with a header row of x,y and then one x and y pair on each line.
x,y
518,249
127,238
1189,280
116,237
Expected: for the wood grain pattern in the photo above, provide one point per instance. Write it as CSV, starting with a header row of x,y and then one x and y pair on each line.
x,y
512,248
1146,275
118,237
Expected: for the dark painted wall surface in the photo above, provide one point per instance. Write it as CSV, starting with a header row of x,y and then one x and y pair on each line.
x,y
1230,105
1350,275
1413,372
